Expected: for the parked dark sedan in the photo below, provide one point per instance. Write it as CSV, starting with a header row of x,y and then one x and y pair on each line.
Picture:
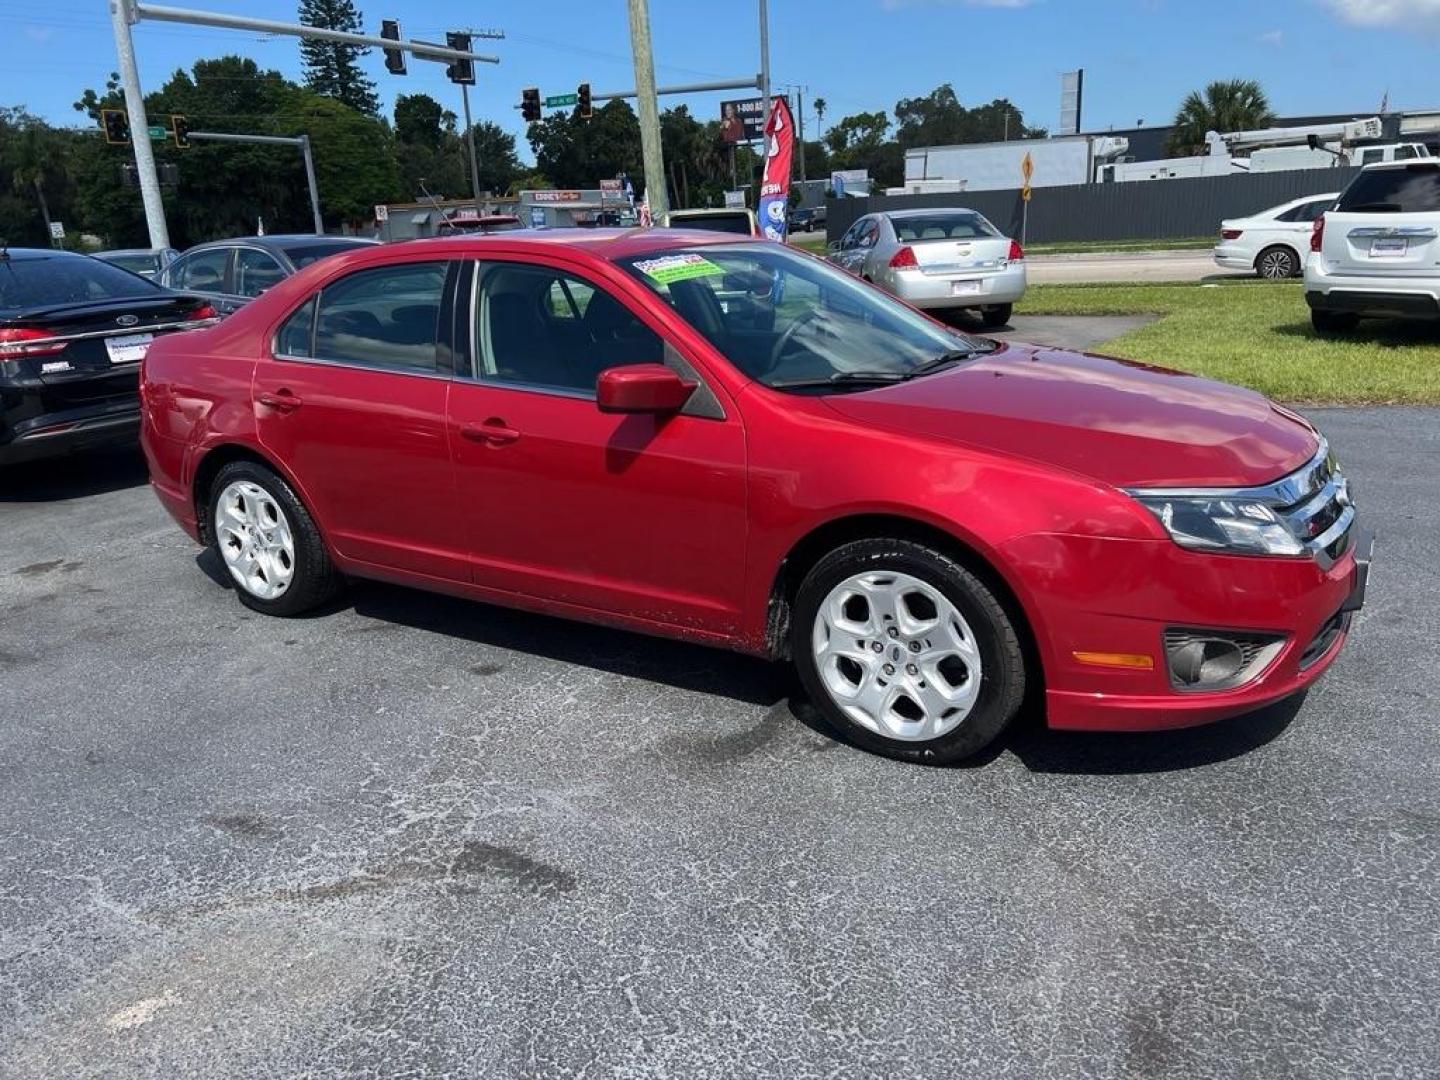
x,y
231,273
73,331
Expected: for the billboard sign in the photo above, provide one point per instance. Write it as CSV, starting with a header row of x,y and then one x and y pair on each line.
x,y
742,120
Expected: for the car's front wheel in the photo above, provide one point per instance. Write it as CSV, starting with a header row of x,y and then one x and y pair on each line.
x,y
907,652
268,542
1333,322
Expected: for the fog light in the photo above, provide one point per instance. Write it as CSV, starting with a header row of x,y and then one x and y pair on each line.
x,y
1211,660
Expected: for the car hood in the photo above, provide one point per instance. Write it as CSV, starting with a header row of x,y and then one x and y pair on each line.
x,y
1119,422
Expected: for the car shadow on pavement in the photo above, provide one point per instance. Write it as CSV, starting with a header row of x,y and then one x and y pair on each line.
x,y
1385,332
1042,750
74,476
673,663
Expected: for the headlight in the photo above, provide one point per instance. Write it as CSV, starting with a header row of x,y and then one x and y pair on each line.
x,y
1204,523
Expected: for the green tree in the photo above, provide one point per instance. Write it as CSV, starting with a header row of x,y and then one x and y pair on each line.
x,y
939,119
420,120
495,156
1227,105
428,148
820,106
331,68
575,152
36,162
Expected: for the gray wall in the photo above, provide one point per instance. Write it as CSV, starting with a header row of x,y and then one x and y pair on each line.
x,y
1138,210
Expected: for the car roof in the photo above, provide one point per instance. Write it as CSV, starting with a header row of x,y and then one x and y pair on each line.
x,y
280,241
1408,163
928,212
607,244
20,254
129,251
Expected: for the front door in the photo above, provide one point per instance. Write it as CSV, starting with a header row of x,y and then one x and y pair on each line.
x,y
637,515
353,403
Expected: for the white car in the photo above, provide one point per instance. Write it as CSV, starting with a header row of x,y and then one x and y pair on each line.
x,y
1274,242
1377,253
945,259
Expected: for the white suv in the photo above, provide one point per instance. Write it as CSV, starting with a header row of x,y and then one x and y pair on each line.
x,y
1378,252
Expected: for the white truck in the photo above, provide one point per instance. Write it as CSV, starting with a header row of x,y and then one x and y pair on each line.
x,y
1071,159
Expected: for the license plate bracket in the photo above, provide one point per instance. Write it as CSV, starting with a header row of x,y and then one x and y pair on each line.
x,y
1388,247
965,287
128,348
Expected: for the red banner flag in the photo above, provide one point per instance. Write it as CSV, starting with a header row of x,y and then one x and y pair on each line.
x,y
775,187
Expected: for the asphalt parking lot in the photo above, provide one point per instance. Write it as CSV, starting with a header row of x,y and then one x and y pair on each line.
x,y
416,837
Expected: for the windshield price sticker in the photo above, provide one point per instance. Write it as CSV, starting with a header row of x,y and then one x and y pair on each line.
x,y
678,268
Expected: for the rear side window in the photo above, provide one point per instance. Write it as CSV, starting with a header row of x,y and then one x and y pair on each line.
x,y
51,282
294,338
1411,190
943,227
204,271
385,317
306,254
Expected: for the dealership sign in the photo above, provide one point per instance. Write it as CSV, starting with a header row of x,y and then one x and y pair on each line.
x,y
557,196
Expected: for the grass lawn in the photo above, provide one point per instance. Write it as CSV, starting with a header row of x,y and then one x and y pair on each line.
x,y
1258,334
813,242
1081,247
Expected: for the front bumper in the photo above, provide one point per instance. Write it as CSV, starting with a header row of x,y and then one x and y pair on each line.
x,y
936,291
1119,597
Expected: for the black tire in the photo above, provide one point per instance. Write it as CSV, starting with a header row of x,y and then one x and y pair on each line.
x,y
1277,263
993,318
1003,675
315,579
1333,322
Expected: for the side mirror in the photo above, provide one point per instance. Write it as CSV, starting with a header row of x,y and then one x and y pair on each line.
x,y
833,246
642,388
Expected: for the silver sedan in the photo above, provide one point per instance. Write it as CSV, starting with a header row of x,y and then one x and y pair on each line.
x,y
937,259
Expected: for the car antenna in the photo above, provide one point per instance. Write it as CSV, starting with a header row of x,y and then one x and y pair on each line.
x,y
433,201
4,248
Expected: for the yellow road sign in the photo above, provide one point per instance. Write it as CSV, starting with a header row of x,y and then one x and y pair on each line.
x,y
1025,193
1027,168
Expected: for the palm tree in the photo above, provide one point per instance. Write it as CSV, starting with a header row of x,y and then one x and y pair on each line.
x,y
39,157
820,106
1228,105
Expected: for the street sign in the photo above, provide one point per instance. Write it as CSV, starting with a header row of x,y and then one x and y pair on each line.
x,y
57,230
1027,168
734,199
1025,193
382,213
559,101
158,132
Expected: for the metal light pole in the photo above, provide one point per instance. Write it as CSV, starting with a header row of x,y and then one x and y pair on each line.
x,y
122,14
765,59
314,187
470,139
302,141
649,108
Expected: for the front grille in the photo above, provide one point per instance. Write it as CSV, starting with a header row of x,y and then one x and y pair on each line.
x,y
1314,502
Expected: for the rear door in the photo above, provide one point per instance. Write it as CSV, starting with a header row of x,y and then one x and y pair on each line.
x,y
208,272
351,398
1387,223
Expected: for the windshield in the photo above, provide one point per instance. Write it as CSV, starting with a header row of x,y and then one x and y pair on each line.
x,y
69,279
309,253
787,319
731,223
942,226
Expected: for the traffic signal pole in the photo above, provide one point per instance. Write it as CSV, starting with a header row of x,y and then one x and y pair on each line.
x,y
125,13
470,140
302,141
122,15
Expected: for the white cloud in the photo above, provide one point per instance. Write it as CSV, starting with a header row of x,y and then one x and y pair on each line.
x,y
1401,13
1272,37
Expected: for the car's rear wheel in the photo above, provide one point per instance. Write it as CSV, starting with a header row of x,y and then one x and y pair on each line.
x,y
992,318
1277,263
268,542
1333,322
906,652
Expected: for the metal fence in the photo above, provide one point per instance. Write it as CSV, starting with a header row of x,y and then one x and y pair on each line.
x,y
1134,210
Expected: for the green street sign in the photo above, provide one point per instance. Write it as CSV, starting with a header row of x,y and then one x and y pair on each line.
x,y
158,132
561,100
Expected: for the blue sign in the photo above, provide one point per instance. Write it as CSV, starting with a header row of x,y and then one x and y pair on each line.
x,y
537,217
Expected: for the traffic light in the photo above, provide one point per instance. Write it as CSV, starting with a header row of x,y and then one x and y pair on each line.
x,y
116,125
181,128
530,103
582,101
394,58
461,71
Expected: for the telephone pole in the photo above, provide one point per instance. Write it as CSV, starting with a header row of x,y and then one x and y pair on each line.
x,y
649,108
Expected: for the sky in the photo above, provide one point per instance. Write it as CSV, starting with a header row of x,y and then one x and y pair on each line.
x,y
1140,56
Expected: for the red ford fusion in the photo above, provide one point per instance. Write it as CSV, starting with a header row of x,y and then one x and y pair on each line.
x,y
730,442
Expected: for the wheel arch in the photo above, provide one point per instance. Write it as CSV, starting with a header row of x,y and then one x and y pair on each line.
x,y
215,458
835,533
1284,245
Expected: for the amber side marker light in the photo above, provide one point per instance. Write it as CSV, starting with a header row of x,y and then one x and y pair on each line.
x,y
1128,661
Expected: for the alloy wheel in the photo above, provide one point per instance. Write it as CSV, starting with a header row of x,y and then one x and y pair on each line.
x,y
255,539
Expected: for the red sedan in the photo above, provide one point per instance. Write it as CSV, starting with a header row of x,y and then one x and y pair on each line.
x,y
731,442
